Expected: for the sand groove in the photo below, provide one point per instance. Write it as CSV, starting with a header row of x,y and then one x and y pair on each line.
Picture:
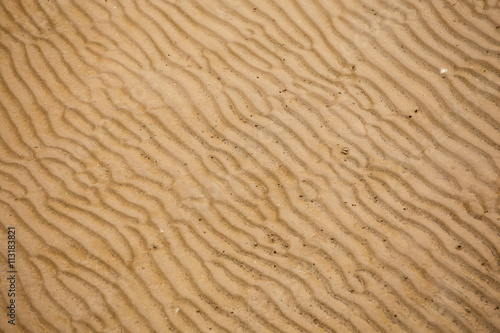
x,y
252,166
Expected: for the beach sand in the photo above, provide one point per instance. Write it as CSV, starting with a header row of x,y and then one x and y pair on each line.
x,y
250,166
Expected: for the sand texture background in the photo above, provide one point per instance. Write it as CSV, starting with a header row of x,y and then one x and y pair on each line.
x,y
251,166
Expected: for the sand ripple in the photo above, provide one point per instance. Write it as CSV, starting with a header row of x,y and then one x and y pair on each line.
x,y
252,166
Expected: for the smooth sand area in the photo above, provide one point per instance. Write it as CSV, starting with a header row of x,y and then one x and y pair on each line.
x,y
250,165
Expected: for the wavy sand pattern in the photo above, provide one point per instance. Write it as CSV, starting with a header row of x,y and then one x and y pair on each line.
x,y
252,166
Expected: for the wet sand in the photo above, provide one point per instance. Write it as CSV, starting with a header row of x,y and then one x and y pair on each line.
x,y
251,166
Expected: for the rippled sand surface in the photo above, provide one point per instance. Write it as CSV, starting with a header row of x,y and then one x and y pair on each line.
x,y
251,166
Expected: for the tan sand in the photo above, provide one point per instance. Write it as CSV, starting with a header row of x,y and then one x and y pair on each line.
x,y
251,165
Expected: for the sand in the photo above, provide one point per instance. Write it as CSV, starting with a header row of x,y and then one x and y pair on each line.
x,y
250,166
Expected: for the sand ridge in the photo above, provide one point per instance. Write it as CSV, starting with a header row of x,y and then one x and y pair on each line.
x,y
251,166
